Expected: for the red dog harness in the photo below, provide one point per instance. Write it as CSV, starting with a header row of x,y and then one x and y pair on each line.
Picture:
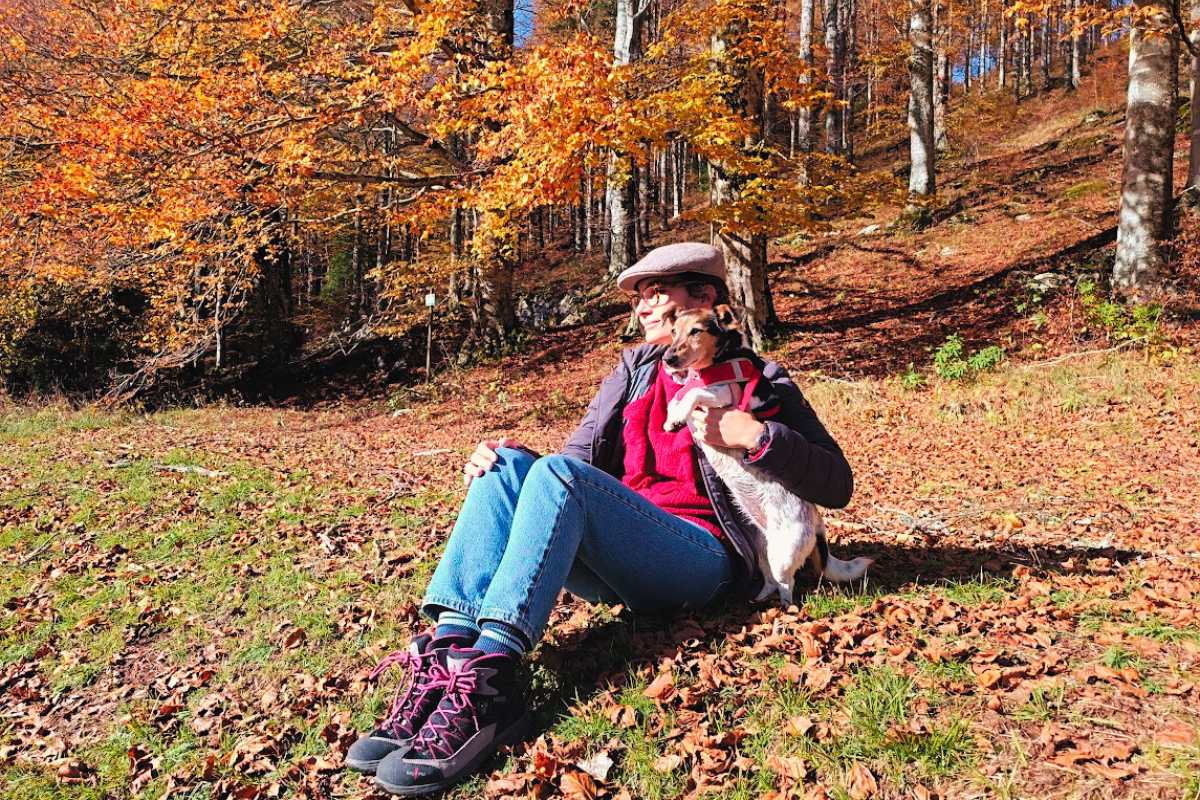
x,y
744,380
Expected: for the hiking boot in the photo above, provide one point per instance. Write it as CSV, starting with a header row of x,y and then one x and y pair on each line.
x,y
483,708
416,697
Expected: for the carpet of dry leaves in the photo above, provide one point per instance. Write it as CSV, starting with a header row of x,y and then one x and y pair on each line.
x,y
1032,619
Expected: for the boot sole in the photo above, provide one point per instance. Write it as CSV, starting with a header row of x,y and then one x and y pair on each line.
x,y
369,767
511,735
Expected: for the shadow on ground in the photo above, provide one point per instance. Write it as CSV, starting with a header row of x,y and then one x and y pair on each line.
x,y
586,660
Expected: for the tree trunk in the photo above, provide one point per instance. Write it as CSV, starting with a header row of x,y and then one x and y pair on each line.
x,y
1047,49
745,254
620,188
804,117
983,40
941,78
1076,72
1027,55
1193,181
679,171
1146,190
643,202
849,35
1002,66
835,46
495,315
970,33
920,101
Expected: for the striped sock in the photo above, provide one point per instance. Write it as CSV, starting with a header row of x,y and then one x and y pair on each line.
x,y
500,637
456,624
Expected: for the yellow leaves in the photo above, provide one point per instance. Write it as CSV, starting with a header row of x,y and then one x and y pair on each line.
x,y
16,44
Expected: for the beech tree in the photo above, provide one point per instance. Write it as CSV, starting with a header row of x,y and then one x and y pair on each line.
x,y
920,101
1146,185
745,251
804,116
621,190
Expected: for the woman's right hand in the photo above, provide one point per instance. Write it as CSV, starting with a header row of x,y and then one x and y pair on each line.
x,y
484,458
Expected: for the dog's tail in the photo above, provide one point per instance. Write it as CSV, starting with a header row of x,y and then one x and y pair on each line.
x,y
835,569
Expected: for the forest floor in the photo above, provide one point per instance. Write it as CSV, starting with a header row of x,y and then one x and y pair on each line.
x,y
192,599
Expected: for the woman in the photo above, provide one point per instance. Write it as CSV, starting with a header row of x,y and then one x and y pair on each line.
x,y
627,513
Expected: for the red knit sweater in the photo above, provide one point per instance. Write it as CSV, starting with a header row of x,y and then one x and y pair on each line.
x,y
661,466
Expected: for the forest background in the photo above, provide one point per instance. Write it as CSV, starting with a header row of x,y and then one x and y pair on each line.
x,y
967,228
211,194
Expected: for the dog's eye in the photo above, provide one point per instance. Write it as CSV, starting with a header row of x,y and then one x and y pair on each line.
x,y
695,331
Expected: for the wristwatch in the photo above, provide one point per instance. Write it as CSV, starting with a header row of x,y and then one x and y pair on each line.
x,y
760,443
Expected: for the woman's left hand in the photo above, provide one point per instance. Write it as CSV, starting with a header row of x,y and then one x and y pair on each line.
x,y
727,427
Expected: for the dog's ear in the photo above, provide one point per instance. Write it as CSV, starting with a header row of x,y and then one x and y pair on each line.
x,y
725,316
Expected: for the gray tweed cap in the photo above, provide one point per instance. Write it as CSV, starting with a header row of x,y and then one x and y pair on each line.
x,y
673,259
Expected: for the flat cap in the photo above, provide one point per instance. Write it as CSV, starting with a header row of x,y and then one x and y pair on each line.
x,y
672,259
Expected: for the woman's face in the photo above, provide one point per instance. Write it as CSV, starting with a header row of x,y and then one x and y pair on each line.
x,y
657,300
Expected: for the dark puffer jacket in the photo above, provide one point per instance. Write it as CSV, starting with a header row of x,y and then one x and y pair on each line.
x,y
800,454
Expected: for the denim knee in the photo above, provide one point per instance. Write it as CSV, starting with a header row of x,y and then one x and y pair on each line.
x,y
511,465
512,458
554,467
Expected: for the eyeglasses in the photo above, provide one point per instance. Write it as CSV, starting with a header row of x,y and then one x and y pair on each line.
x,y
654,294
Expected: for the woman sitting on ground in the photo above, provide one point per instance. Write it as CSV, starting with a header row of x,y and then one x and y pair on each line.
x,y
627,513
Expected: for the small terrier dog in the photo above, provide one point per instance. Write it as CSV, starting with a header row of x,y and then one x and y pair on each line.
x,y
790,531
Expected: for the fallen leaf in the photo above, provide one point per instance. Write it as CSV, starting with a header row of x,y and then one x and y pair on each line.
x,y
578,786
988,678
660,686
817,679
788,766
862,783
668,762
799,726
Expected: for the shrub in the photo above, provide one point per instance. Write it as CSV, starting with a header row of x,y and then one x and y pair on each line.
x,y
951,362
1119,322
910,379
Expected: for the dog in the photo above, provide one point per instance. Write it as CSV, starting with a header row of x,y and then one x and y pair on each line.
x,y
708,346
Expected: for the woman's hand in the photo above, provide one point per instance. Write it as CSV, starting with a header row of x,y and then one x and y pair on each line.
x,y
484,458
727,427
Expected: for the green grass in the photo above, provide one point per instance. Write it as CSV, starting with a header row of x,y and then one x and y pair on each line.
x,y
135,572
1156,628
947,671
1085,189
834,601
1043,704
1117,657
975,592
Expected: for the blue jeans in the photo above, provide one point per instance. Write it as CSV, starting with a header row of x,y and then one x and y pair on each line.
x,y
531,527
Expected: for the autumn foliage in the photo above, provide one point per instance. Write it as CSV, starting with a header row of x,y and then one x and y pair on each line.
x,y
223,183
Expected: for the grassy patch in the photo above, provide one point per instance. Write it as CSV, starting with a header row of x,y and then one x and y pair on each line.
x,y
835,601
977,591
1043,704
1085,189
